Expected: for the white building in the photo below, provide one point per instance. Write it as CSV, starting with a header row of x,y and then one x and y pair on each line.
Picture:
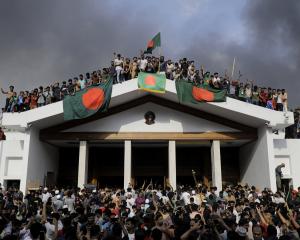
x,y
232,141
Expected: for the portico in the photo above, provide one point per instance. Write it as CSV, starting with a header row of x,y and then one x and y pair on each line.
x,y
174,126
128,178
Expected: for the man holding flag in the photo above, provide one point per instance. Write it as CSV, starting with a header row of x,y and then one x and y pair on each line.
x,y
153,82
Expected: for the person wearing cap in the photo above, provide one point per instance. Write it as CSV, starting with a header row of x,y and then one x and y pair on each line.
x,y
57,202
55,194
46,195
146,205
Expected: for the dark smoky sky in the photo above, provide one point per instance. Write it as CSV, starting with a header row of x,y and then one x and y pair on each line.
x,y
53,40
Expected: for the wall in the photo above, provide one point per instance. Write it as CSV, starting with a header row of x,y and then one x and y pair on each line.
x,y
257,166
13,157
288,151
167,120
42,158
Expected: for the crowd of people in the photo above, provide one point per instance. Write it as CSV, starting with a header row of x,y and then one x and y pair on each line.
x,y
189,213
123,69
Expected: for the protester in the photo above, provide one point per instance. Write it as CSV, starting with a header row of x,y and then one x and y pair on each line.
x,y
123,69
8,94
278,173
151,213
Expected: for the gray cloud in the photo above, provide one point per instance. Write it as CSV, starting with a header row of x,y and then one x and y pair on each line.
x,y
46,41
270,51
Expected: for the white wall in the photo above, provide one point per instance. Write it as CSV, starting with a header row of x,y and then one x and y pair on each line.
x,y
42,158
257,166
288,152
24,157
13,157
167,120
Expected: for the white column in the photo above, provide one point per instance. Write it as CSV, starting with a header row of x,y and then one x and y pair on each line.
x,y
172,164
27,147
127,163
83,164
216,164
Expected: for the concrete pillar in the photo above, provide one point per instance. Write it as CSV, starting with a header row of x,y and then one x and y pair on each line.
x,y
172,164
26,159
258,157
83,164
216,164
127,163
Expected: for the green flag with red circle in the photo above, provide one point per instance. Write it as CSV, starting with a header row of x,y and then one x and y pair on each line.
x,y
88,101
188,92
153,43
152,82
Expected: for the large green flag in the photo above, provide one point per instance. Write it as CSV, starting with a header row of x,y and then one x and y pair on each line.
x,y
152,82
88,101
188,92
153,43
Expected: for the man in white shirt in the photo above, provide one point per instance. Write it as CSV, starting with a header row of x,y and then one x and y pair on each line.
x,y
142,63
118,63
130,201
52,226
216,81
70,202
185,196
46,195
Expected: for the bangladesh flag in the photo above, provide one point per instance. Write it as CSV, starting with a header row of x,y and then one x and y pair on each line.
x,y
152,82
153,43
188,92
88,101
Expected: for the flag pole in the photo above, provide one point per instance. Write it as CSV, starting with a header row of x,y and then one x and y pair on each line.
x,y
159,53
233,66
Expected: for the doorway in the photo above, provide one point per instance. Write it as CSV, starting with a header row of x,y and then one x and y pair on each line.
x,y
149,164
106,164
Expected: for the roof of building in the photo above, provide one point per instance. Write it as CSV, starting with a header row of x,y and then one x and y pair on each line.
x,y
234,110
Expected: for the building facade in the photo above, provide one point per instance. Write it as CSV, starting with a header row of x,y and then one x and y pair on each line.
x,y
226,142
